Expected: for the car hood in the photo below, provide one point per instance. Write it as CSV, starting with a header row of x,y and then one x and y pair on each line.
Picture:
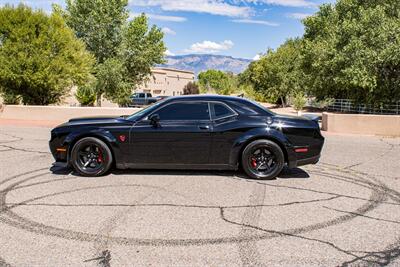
x,y
101,120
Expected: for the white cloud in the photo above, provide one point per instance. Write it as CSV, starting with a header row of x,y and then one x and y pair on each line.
x,y
169,53
251,21
298,15
160,17
167,30
210,47
230,8
290,3
257,57
215,7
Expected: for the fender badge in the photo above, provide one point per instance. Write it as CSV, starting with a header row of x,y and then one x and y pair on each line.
x,y
122,138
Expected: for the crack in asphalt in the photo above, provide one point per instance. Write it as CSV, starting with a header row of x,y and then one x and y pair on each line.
x,y
275,233
248,251
171,204
376,258
16,138
3,263
11,148
102,243
391,147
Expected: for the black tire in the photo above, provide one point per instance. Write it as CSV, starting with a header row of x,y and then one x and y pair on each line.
x,y
91,157
263,159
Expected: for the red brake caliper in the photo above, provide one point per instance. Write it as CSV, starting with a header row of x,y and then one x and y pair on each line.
x,y
254,162
100,156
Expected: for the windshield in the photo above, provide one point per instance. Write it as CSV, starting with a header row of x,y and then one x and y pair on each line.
x,y
144,111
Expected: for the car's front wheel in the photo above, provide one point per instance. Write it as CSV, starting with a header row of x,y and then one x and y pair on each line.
x,y
91,157
263,159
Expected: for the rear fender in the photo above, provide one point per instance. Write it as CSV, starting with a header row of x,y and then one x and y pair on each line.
x,y
263,133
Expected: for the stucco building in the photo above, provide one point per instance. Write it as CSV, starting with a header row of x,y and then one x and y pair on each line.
x,y
166,82
162,82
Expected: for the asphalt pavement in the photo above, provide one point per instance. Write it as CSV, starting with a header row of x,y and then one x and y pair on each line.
x,y
344,211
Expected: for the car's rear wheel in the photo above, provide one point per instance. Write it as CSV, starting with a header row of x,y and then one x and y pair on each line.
x,y
263,159
91,157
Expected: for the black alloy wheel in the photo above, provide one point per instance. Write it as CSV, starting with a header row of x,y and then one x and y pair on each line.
x,y
91,157
263,159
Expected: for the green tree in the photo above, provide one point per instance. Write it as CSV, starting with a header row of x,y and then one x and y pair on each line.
x,y
130,48
216,81
141,48
112,80
99,23
40,57
277,74
352,50
191,89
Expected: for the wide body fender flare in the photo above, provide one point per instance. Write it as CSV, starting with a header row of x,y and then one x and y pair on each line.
x,y
263,133
102,134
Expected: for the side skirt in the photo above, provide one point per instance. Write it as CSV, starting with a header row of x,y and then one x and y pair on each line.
x,y
219,167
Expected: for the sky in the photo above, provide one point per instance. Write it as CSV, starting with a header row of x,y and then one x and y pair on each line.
x,y
238,28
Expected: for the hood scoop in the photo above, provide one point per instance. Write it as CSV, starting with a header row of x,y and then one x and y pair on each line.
x,y
93,119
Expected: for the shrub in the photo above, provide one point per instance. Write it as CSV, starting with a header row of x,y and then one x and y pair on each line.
x,y
10,99
86,96
299,101
191,89
40,57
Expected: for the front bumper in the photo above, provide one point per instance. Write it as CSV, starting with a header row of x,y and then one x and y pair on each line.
x,y
58,149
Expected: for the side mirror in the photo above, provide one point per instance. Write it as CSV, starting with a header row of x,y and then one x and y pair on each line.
x,y
154,119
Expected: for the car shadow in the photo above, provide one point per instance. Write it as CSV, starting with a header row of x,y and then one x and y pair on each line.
x,y
295,173
286,173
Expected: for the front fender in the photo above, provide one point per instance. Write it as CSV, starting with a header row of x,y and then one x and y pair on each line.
x,y
263,133
101,134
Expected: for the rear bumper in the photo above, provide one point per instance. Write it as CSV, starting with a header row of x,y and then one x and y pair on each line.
x,y
307,161
304,161
312,156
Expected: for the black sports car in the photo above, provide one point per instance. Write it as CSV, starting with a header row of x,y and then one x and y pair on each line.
x,y
190,132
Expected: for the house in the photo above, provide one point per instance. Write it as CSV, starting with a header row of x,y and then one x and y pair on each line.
x,y
161,82
166,82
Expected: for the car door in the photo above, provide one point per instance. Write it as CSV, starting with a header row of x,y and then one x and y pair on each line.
x,y
182,136
226,129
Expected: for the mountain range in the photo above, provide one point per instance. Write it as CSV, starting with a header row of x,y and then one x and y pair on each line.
x,y
202,62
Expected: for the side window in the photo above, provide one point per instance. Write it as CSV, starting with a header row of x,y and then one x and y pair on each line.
x,y
185,112
222,111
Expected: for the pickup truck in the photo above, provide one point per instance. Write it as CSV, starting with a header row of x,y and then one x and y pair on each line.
x,y
142,99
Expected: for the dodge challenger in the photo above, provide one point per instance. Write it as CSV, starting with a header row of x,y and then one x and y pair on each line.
x,y
190,132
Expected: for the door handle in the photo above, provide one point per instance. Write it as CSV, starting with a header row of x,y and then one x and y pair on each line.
x,y
204,127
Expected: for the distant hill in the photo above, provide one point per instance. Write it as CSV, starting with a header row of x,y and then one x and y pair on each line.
x,y
199,63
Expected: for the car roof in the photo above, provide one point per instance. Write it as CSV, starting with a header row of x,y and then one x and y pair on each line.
x,y
206,98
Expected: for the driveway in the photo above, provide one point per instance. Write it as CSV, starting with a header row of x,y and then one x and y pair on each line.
x,y
343,211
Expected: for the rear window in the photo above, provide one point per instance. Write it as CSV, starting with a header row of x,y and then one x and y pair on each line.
x,y
248,107
221,111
